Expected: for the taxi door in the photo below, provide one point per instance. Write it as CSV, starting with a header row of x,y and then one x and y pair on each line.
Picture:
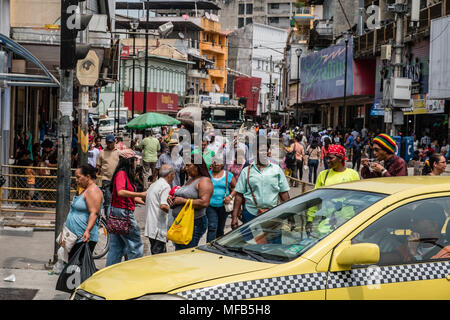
x,y
396,275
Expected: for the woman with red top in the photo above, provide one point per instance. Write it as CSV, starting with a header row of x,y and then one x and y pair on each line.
x,y
124,197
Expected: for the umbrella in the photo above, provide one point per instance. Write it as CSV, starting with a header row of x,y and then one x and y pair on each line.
x,y
151,120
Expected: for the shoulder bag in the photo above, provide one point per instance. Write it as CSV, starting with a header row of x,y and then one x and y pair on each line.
x,y
228,206
260,210
119,225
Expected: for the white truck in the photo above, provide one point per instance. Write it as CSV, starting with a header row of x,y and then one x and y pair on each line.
x,y
123,116
105,126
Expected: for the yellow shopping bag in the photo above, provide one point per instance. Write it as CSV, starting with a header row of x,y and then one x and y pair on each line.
x,y
183,227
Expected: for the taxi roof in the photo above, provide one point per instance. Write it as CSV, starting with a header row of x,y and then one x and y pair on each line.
x,y
393,185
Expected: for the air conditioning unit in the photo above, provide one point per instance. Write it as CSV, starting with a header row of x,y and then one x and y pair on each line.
x,y
400,92
165,29
386,52
401,88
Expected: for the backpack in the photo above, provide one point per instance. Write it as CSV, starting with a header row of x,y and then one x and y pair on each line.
x,y
291,157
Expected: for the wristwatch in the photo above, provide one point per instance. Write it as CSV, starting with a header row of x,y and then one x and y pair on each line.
x,y
383,171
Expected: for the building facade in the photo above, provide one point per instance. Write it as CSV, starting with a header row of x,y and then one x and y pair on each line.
x,y
237,14
256,50
214,47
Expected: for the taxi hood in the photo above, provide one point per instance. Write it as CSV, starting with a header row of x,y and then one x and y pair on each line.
x,y
166,272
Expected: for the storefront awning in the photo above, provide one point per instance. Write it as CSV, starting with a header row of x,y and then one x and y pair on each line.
x,y
47,80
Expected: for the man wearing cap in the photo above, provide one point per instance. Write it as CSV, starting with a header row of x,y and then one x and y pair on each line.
x,y
172,158
107,161
384,147
150,147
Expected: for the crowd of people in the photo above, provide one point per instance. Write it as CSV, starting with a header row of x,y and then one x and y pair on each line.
x,y
224,179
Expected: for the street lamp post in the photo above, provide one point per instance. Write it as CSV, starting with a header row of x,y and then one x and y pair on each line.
x,y
299,52
146,59
134,25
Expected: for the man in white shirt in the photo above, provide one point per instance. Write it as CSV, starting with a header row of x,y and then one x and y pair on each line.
x,y
231,147
157,209
92,155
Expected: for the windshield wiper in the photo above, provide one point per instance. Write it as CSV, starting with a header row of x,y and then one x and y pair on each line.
x,y
219,247
251,253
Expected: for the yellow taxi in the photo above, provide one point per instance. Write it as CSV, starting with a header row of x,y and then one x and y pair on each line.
x,y
383,238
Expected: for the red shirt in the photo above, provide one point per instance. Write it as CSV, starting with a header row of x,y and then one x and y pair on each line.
x,y
120,181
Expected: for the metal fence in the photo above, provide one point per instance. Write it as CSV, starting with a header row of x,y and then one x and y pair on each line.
x,y
30,190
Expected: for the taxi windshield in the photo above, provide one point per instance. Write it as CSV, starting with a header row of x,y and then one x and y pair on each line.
x,y
287,231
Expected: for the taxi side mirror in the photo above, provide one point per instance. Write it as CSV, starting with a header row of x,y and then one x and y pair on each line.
x,y
361,253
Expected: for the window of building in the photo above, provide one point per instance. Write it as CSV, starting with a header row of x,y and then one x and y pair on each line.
x,y
240,22
274,6
249,8
274,20
248,20
241,8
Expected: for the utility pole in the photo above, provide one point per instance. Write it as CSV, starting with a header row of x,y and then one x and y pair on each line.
x,y
144,110
400,8
71,24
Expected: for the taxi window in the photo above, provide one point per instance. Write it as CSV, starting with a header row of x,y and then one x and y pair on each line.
x,y
418,231
285,232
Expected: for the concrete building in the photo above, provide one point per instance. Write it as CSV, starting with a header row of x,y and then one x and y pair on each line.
x,y
256,50
275,13
214,46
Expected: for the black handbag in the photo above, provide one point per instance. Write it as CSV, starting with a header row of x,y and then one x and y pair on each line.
x,y
79,268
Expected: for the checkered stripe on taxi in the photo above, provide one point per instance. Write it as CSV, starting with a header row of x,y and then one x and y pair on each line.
x,y
392,274
259,288
372,275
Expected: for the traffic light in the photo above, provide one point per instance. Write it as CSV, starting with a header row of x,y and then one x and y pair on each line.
x,y
71,23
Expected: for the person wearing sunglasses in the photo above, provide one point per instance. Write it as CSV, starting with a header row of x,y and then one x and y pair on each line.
x,y
384,147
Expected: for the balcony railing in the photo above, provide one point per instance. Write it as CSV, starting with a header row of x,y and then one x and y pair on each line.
x,y
212,47
371,42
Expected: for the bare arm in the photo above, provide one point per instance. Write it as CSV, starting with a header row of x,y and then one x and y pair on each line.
x,y
237,206
284,196
93,198
205,190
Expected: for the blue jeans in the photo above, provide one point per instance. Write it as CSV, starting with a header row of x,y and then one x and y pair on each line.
x,y
200,226
217,216
119,245
313,165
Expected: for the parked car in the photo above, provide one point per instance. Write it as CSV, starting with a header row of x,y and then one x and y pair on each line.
x,y
348,241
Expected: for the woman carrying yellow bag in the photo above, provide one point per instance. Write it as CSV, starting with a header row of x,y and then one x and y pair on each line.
x,y
199,189
182,228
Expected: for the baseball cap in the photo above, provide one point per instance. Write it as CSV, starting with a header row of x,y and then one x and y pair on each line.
x,y
110,138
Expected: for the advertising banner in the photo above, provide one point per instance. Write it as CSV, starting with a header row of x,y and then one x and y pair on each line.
x,y
156,101
323,72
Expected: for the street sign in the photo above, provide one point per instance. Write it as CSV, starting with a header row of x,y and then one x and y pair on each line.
x,y
88,69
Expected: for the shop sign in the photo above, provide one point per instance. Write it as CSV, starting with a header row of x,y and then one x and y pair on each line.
x,y
427,106
377,109
413,71
435,106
